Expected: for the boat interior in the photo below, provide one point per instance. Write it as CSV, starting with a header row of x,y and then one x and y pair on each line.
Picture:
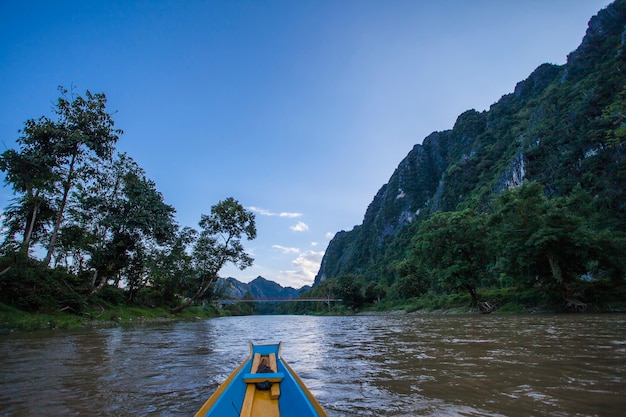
x,y
262,388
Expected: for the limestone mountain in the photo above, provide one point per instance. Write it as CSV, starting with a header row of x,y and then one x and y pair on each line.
x,y
259,288
564,127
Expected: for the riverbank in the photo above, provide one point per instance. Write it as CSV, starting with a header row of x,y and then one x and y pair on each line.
x,y
505,301
12,319
590,298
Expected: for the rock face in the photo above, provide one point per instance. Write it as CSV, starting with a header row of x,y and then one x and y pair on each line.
x,y
560,126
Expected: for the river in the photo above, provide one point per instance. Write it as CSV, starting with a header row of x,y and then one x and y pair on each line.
x,y
390,365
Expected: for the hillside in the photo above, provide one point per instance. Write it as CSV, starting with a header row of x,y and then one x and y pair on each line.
x,y
259,288
563,127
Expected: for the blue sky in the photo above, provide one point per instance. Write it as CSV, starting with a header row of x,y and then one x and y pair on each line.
x,y
301,110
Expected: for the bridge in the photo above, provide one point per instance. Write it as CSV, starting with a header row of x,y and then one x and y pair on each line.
x,y
228,301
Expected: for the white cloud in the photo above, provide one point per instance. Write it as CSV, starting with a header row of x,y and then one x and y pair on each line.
x,y
264,212
300,227
261,211
330,235
290,215
307,264
285,249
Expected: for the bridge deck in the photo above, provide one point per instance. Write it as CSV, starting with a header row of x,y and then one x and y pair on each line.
x,y
276,300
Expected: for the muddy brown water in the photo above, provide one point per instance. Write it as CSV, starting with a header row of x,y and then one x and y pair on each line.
x,y
395,365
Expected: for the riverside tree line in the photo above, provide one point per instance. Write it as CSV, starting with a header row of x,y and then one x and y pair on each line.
x,y
526,250
87,226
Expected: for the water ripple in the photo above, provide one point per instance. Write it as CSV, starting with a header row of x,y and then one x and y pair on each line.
x,y
572,365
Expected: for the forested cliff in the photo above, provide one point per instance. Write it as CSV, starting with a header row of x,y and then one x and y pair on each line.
x,y
522,204
561,131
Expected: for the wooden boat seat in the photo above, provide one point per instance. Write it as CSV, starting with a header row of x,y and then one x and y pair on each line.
x,y
254,377
275,389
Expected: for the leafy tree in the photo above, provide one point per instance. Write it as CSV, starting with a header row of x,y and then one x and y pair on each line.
x,y
84,134
30,173
547,243
326,289
453,247
518,214
171,269
413,279
124,215
218,243
374,292
349,289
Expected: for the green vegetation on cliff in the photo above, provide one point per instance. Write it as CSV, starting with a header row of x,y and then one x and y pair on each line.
x,y
528,196
519,206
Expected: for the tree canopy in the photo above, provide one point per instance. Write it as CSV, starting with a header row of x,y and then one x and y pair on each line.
x,y
86,223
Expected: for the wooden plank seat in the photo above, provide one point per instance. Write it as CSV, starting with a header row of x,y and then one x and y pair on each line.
x,y
275,389
254,377
271,377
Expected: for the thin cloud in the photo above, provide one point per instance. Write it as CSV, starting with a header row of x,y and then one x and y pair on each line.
x,y
285,249
290,215
300,227
261,211
330,235
264,212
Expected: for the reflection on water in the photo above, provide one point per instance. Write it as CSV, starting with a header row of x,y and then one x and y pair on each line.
x,y
408,365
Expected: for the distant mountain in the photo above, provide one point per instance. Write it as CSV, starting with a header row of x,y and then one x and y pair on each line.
x,y
259,288
564,127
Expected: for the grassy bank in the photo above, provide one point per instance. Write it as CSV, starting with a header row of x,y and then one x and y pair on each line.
x,y
12,319
511,300
507,300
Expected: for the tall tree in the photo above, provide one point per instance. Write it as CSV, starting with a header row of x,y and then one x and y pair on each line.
x,y
548,243
519,213
453,246
84,136
349,290
30,171
219,243
171,269
125,215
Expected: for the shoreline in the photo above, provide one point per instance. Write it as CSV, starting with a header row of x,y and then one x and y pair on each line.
x,y
33,322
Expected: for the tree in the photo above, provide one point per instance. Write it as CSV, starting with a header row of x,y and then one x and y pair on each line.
x,y
413,279
517,215
125,215
171,270
30,173
547,243
218,243
84,134
453,247
349,290
374,292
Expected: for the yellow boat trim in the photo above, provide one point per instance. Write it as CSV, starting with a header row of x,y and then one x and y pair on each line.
x,y
260,403
316,405
216,395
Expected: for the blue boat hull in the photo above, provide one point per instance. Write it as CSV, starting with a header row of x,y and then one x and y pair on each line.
x,y
253,391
